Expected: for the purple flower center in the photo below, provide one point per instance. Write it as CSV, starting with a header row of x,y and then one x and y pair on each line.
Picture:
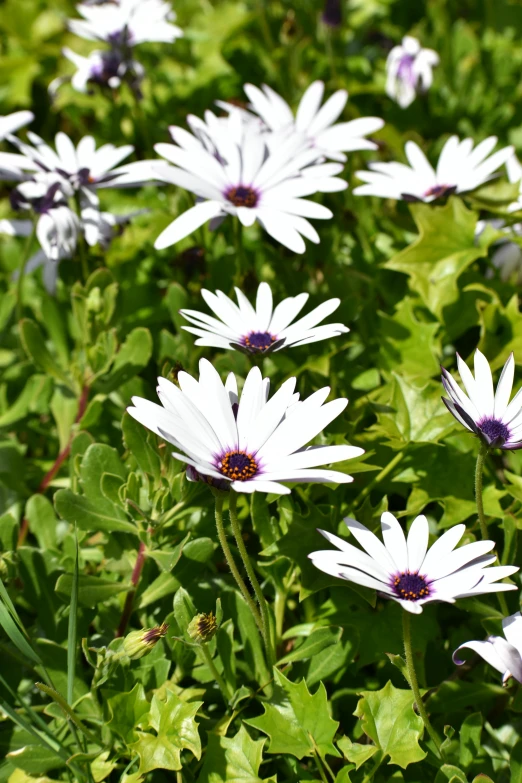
x,y
405,69
257,342
439,191
410,586
238,466
242,196
495,432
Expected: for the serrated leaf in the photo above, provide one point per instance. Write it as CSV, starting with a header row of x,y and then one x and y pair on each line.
x,y
387,717
128,711
175,729
355,752
450,773
445,248
232,760
296,721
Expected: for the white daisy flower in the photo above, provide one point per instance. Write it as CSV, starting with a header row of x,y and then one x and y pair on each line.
x,y
484,412
105,68
245,179
313,123
460,168
261,329
249,442
82,169
504,654
126,23
405,570
409,71
10,123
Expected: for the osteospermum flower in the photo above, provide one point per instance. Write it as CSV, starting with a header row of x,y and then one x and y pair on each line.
x,y
103,68
460,168
313,123
409,71
405,570
245,442
484,412
261,329
504,654
126,23
242,177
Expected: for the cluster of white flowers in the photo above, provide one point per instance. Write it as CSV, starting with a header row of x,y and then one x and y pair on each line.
x,y
120,25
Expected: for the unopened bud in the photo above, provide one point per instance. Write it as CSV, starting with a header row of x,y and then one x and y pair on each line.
x,y
138,643
202,627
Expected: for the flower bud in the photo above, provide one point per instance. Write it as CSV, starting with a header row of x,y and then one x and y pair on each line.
x,y
138,643
202,627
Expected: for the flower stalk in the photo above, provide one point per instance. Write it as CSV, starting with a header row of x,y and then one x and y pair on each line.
x,y
479,476
413,682
25,258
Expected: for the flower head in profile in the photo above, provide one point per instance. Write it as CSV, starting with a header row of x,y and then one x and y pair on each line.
x,y
260,329
461,168
406,570
314,124
237,174
485,412
10,123
105,68
126,23
409,71
503,653
246,442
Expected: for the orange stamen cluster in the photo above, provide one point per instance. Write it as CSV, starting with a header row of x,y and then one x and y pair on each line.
x,y
410,587
242,196
238,466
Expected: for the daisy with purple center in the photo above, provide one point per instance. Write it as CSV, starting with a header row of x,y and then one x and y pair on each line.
x,y
409,71
263,328
461,167
245,442
488,414
405,570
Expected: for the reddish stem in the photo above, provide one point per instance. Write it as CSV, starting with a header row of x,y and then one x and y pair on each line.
x,y
60,459
129,600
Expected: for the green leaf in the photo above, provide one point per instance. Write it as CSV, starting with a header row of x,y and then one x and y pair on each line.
x,y
232,760
97,460
387,717
296,721
128,711
175,727
35,347
515,763
451,773
92,590
35,759
137,439
133,356
470,739
73,624
34,398
408,344
453,696
444,250
355,752
88,516
42,520
319,640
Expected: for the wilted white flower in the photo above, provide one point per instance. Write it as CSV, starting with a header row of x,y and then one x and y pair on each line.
x,y
504,654
126,23
261,329
245,179
13,122
406,571
247,443
314,124
409,70
460,168
484,412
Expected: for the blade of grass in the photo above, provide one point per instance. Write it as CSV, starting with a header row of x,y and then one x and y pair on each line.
x,y
73,624
69,712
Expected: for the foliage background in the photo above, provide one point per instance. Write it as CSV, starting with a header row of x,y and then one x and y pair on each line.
x,y
414,290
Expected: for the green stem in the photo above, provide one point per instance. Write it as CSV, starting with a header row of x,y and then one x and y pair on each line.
x,y
412,679
479,498
371,774
479,475
249,568
231,563
238,240
267,35
19,288
81,241
380,476
320,767
223,687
